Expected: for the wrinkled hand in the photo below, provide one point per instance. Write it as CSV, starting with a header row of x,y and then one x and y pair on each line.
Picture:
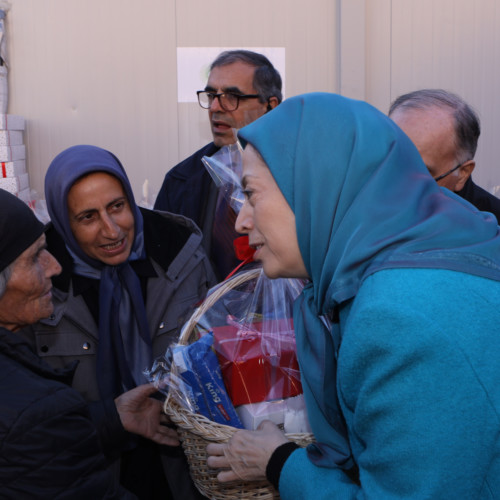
x,y
143,415
247,453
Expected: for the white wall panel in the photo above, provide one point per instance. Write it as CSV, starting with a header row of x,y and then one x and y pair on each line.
x,y
450,44
97,72
104,71
378,52
352,61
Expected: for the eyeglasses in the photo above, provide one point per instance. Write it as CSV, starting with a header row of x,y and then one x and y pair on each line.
x,y
442,176
227,100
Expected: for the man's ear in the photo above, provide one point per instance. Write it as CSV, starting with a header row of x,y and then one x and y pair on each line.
x,y
464,172
272,103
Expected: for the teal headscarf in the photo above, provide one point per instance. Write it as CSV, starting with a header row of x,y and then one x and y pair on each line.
x,y
363,201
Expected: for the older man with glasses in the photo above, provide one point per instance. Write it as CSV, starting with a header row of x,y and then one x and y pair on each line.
x,y
242,86
445,130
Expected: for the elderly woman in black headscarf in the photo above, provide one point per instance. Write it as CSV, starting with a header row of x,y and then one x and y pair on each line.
x,y
130,277
50,446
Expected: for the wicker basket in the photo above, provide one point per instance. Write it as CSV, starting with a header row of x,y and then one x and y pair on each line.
x,y
197,431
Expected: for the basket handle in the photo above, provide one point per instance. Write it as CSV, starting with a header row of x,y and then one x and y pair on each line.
x,y
211,299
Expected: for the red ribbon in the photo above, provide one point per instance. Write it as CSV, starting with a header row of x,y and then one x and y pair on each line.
x,y
243,251
4,170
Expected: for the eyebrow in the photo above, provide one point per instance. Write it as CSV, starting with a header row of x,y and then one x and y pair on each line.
x,y
86,211
245,179
232,90
90,210
119,198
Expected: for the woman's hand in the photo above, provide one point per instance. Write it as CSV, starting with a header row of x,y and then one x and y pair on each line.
x,y
144,416
246,454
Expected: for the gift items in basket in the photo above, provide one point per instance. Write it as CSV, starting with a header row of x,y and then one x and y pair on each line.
x,y
200,381
250,319
258,364
254,340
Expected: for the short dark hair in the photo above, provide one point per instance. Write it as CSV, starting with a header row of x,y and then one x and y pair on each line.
x,y
467,126
266,79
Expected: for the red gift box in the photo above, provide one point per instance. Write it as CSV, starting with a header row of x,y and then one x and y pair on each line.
x,y
258,366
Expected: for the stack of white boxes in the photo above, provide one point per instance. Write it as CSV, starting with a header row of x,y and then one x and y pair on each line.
x,y
13,175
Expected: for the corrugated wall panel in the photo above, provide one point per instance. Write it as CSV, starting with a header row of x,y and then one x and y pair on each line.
x,y
95,72
455,45
105,71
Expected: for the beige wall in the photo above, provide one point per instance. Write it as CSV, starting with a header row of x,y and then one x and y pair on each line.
x,y
450,44
104,71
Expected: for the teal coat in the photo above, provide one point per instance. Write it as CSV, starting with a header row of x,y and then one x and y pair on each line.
x,y
419,387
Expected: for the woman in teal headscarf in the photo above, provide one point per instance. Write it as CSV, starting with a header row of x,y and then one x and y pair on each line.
x,y
397,333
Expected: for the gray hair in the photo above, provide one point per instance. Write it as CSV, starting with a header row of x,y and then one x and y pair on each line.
x,y
5,275
467,127
266,79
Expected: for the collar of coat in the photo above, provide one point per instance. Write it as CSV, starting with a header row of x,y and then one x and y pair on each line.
x,y
15,348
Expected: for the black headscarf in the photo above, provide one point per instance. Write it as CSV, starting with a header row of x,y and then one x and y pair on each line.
x,y
19,228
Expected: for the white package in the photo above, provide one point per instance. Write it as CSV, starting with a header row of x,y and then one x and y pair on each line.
x,y
12,168
11,137
25,195
11,122
288,414
15,184
12,153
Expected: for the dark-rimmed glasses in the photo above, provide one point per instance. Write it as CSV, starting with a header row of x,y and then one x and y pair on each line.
x,y
227,100
442,176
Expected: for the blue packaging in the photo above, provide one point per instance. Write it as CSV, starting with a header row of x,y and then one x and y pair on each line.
x,y
199,369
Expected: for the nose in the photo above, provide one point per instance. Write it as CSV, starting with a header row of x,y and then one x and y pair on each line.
x,y
52,266
109,227
215,107
244,221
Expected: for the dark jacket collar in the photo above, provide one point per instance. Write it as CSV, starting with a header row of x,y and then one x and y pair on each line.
x,y
186,187
190,167
467,191
480,198
15,348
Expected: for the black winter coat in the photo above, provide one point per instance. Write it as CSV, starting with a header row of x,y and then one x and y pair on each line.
x,y
186,188
480,198
49,447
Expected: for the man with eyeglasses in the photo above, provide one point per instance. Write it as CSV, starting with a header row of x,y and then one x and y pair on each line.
x,y
241,87
445,130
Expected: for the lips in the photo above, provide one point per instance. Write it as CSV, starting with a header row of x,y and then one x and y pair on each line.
x,y
256,247
114,248
220,126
